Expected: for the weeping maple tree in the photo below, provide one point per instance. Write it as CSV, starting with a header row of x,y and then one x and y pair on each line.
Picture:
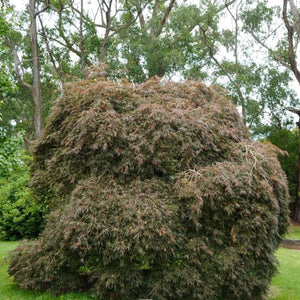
x,y
156,191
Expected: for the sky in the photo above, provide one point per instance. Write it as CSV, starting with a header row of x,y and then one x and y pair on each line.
x,y
20,5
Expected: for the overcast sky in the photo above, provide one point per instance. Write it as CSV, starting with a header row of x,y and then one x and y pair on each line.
x,y
20,4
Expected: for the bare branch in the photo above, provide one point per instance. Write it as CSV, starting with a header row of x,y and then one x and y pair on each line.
x,y
166,14
128,24
17,64
52,59
293,110
43,9
141,16
271,51
226,5
232,80
66,43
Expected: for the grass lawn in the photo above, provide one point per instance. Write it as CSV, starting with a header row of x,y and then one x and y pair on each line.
x,y
285,286
294,233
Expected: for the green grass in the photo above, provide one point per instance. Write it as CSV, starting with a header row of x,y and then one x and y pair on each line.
x,y
294,233
285,286
10,291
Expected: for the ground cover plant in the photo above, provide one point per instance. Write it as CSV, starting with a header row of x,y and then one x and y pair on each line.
x,y
156,192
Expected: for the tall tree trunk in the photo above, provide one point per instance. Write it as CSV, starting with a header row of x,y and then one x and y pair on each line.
x,y
290,31
107,31
296,216
82,58
296,207
36,91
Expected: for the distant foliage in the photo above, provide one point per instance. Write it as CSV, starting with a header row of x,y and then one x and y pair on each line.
x,y
12,157
21,216
288,141
157,192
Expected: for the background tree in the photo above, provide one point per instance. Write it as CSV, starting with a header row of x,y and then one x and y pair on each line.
x,y
258,87
89,34
291,21
21,215
167,43
288,141
286,34
145,38
13,40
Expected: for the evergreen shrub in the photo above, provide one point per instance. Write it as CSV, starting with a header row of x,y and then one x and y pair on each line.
x,y
288,141
156,192
21,215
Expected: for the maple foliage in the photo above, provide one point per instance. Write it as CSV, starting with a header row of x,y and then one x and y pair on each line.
x,y
156,191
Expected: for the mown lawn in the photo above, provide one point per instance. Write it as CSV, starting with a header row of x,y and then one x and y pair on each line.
x,y
294,233
285,286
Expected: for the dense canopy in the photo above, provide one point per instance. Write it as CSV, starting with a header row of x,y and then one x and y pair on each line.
x,y
156,192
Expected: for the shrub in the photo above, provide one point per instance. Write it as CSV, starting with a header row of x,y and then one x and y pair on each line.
x,y
21,216
288,141
12,157
156,191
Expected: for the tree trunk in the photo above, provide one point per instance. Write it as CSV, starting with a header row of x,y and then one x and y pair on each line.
x,y
291,50
36,91
296,216
82,58
107,31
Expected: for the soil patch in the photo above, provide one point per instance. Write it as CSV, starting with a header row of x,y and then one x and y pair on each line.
x,y
294,223
291,244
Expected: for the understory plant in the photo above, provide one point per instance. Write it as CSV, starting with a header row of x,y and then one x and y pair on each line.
x,y
21,215
156,191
